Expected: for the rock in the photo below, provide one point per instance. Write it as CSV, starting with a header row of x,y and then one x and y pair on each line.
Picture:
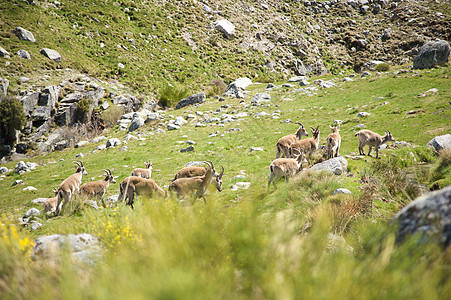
x,y
172,126
135,124
342,191
36,225
81,144
259,98
21,167
193,99
188,149
226,27
4,170
32,212
179,121
432,54
243,185
113,142
104,105
256,149
98,139
429,216
112,199
363,114
30,188
270,86
324,84
23,34
359,126
100,147
336,165
130,103
79,155
429,92
4,84
83,248
23,54
297,78
441,142
123,148
92,203
4,53
236,88
17,182
337,244
51,54
39,200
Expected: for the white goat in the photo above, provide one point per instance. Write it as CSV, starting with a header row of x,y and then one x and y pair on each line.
x,y
285,142
198,184
97,188
287,167
144,173
141,187
308,146
69,186
372,139
333,142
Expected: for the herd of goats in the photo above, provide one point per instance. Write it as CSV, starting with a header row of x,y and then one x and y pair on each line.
x,y
193,181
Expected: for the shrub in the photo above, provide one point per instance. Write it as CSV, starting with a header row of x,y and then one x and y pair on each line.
x,y
170,95
383,67
83,110
440,173
112,114
12,117
217,87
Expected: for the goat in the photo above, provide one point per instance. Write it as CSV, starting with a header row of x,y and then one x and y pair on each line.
x,y
333,142
372,139
193,171
287,167
68,187
51,203
199,184
140,186
308,145
97,188
144,173
285,142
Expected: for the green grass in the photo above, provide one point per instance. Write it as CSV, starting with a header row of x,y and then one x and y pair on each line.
x,y
252,243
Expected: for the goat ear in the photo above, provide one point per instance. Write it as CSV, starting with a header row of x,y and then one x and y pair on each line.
x,y
331,127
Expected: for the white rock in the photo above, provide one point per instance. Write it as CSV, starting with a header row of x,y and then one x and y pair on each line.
x,y
226,27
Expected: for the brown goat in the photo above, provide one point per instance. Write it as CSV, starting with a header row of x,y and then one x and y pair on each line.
x,y
69,186
285,142
333,142
141,187
309,145
372,139
145,173
97,188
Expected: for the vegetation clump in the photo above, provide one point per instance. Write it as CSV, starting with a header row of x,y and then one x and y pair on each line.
x,y
12,118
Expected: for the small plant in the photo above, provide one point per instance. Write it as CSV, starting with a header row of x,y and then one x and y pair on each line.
x,y
383,67
440,173
12,118
83,110
217,87
112,115
169,95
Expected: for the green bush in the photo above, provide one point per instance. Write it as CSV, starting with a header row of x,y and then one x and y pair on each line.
x,y
83,111
12,117
112,114
170,95
217,87
383,67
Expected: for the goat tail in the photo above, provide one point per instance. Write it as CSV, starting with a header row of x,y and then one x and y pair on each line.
x,y
357,133
271,168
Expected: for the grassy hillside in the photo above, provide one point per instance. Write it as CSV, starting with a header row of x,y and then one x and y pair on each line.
x,y
299,241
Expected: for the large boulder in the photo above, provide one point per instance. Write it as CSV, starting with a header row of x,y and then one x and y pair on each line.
x,y
130,103
236,88
193,99
260,98
226,27
83,248
24,34
23,54
431,54
336,165
51,54
441,142
4,53
136,123
429,216
29,102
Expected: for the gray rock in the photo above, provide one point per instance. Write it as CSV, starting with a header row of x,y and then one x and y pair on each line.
x,y
428,216
363,114
30,188
113,142
4,84
39,200
17,182
237,87
135,124
41,113
23,54
101,147
172,126
226,27
83,248
359,126
130,103
441,142
297,78
98,139
342,191
79,155
51,54
179,121
188,149
81,144
4,53
36,225
256,149
336,165
193,99
32,212
92,203
21,167
112,199
104,105
4,170
260,98
23,34
429,92
431,54
123,148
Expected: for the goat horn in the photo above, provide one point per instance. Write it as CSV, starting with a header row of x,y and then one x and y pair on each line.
x,y
77,163
222,172
299,124
81,163
211,164
109,171
107,174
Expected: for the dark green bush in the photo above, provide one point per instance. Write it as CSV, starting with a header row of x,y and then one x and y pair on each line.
x,y
383,67
83,111
170,95
12,117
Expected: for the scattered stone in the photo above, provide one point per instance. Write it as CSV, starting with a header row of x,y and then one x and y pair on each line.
x,y
36,225
336,165
92,203
237,87
81,144
429,92
4,84
100,147
4,53
123,148
98,139
104,105
270,86
79,155
432,54
30,188
83,248
51,54
226,27
17,182
428,216
363,114
135,124
188,149
179,121
256,149
4,170
193,99
21,167
24,34
359,126
32,213
39,200
337,244
172,126
417,111
113,142
190,142
342,191
260,98
441,142
23,54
